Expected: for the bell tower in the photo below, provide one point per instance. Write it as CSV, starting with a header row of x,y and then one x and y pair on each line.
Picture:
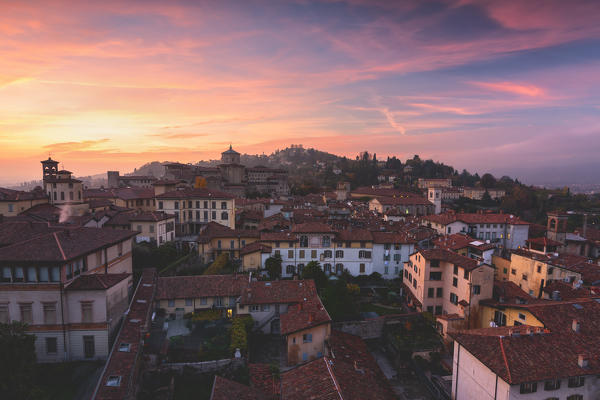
x,y
49,168
557,226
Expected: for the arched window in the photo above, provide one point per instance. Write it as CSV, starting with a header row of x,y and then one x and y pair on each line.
x,y
303,241
327,268
327,254
224,215
339,253
339,268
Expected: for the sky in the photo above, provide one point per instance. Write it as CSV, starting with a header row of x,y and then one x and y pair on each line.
x,y
508,87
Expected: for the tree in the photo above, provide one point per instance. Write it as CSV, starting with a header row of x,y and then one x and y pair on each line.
x,y
339,302
488,181
17,352
221,266
273,266
313,271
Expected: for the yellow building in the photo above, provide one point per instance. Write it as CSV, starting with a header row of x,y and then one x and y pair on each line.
x,y
13,202
63,190
194,208
216,239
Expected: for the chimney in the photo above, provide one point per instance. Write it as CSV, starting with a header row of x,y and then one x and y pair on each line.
x,y
582,361
575,326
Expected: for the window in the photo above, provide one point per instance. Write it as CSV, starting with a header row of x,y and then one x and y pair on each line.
x,y
224,216
205,215
453,299
466,274
327,254
214,204
304,356
455,282
438,310
505,270
513,271
86,311
456,270
203,301
522,316
223,205
139,228
539,269
307,338
528,387
313,254
197,204
4,316
171,303
430,292
214,215
264,308
439,292
550,270
113,381
124,347
232,244
552,385
575,397
290,253
362,268
18,276
326,241
435,276
11,207
524,277
254,308
327,268
26,313
499,318
397,257
62,195
300,268
6,274
303,241
339,268
339,253
188,302
430,309
218,244
31,274
367,254
205,204
476,289
301,254
576,381
51,345
177,205
290,269
49,313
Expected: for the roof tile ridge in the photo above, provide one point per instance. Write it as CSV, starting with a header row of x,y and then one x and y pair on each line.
x,y
62,252
331,374
505,359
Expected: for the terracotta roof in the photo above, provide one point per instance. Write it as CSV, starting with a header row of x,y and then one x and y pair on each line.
x,y
151,216
392,237
451,257
359,235
19,231
195,194
226,389
566,290
403,201
66,244
19,195
303,315
287,291
458,241
312,227
254,247
544,241
263,379
352,374
123,364
475,218
96,281
180,287
278,236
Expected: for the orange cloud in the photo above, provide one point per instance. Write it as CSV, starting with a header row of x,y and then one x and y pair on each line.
x,y
511,87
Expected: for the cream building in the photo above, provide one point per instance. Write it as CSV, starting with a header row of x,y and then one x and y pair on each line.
x,y
70,286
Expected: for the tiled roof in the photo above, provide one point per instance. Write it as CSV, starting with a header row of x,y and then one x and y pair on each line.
x,y
531,357
19,231
362,235
475,218
96,281
254,247
63,245
449,256
195,194
458,241
403,201
134,326
19,195
262,378
180,287
286,291
566,290
278,236
303,315
392,237
312,227
225,389
544,241
351,373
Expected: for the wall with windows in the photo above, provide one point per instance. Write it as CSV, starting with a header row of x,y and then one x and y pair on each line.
x,y
389,259
191,213
307,344
175,306
508,316
88,344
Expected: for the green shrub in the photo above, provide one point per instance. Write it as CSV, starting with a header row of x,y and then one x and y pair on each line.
x,y
238,336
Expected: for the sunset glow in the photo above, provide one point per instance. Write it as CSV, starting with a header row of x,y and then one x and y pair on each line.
x,y
489,86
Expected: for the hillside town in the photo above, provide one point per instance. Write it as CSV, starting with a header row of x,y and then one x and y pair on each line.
x,y
233,282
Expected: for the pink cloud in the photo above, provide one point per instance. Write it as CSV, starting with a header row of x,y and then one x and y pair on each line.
x,y
512,87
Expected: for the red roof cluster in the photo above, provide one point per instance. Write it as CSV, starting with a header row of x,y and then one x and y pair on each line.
x,y
181,287
467,263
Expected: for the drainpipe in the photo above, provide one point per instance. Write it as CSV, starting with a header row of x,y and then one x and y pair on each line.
x,y
457,370
62,317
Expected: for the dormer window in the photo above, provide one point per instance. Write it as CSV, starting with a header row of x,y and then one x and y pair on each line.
x,y
113,380
124,347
